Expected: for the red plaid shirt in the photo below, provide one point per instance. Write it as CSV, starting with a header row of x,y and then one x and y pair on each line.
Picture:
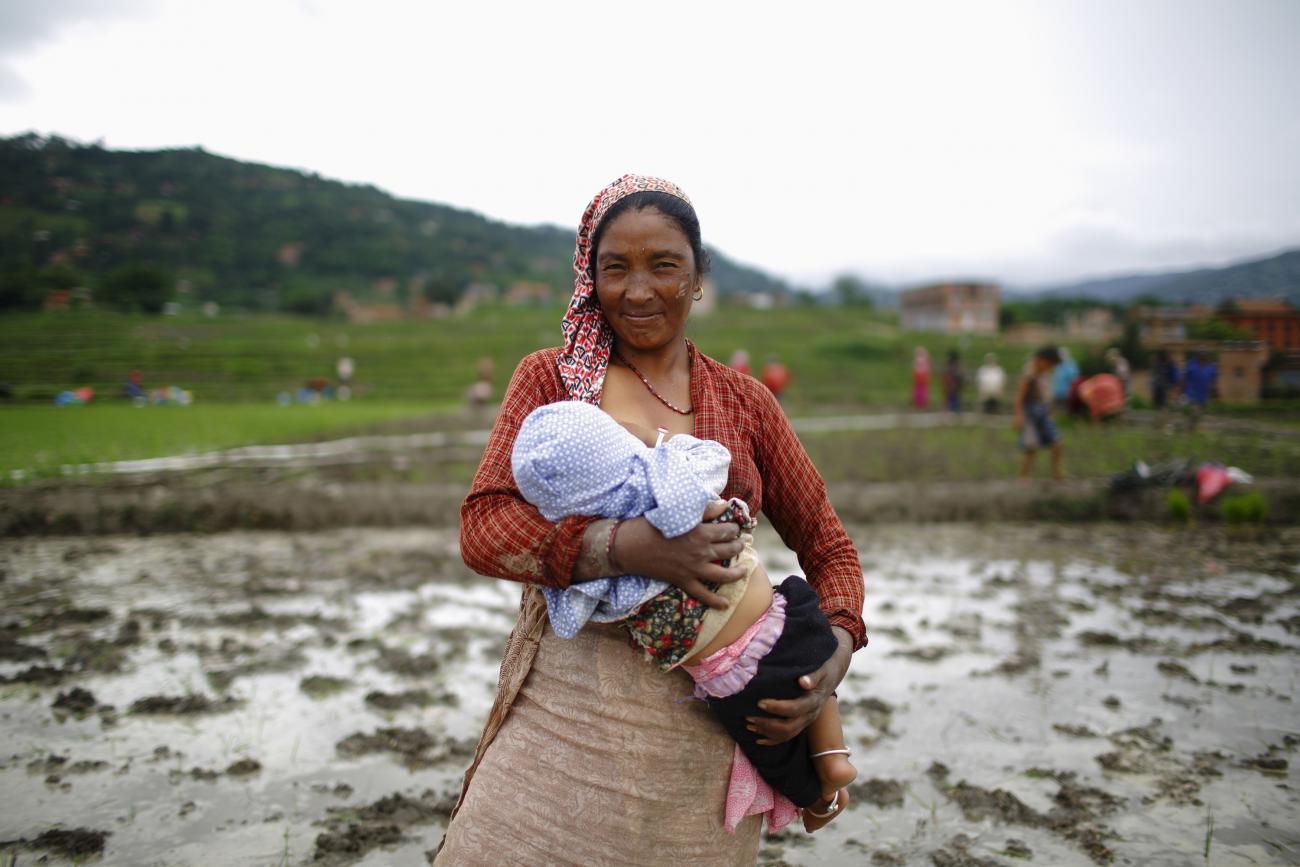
x,y
502,535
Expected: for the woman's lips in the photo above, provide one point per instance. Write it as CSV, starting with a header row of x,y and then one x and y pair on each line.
x,y
641,317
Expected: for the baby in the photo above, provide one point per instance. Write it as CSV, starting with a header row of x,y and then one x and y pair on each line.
x,y
571,458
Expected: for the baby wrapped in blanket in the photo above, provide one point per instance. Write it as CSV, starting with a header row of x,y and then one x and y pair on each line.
x,y
571,458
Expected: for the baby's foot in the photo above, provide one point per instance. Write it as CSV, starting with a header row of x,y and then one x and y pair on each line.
x,y
835,772
821,813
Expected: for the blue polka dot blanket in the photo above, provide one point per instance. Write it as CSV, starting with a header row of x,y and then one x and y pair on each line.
x,y
571,458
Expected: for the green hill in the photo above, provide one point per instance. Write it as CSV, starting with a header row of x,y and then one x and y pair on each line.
x,y
252,236
1276,276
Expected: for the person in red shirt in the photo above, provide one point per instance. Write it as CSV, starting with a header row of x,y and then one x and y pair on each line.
x,y
638,265
776,376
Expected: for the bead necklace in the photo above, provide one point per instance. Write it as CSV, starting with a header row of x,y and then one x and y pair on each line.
x,y
639,375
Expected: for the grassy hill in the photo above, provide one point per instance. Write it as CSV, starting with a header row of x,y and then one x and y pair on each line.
x,y
252,236
1271,277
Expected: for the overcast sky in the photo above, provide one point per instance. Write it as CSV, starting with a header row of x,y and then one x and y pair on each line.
x,y
1024,141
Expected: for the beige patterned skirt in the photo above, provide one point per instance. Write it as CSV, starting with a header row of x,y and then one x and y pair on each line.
x,y
598,760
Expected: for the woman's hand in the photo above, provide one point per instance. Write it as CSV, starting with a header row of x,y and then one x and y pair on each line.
x,y
788,717
684,561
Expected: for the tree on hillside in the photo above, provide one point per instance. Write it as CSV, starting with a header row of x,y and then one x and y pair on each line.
x,y
851,292
136,287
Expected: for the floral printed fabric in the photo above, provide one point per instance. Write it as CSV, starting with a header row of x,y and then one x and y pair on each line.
x,y
667,626
587,336
571,458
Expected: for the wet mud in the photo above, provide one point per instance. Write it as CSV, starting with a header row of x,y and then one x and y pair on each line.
x,y
1040,694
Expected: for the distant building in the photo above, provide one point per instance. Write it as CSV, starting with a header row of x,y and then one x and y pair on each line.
x,y
474,295
1094,325
708,301
951,308
1240,364
1158,326
1275,322
360,312
524,292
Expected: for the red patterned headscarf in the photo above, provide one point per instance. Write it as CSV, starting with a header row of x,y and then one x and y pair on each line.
x,y
588,338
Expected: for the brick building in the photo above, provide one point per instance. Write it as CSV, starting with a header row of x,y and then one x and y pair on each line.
x,y
1276,323
951,308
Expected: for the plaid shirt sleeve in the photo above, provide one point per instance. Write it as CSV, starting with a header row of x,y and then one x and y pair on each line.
x,y
501,534
795,501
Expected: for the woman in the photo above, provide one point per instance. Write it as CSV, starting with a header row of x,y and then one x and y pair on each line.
x,y
921,378
589,754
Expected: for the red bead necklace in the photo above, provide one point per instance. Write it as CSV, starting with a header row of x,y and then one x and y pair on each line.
x,y
639,375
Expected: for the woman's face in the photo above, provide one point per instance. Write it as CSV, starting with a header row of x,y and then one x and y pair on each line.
x,y
645,277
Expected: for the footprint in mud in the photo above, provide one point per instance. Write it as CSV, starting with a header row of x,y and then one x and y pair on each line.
x,y
320,686
16,651
930,653
182,705
877,792
957,854
1073,817
287,661
353,831
417,748
394,701
402,662
36,675
1145,750
74,844
76,701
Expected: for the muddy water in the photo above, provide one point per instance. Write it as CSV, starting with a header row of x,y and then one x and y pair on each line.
x,y
1066,694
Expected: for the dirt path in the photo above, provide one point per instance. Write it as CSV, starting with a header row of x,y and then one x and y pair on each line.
x,y
1084,694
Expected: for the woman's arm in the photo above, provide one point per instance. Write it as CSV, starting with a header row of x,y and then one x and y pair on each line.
x,y
501,534
796,503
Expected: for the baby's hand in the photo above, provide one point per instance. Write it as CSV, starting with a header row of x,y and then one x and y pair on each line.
x,y
715,509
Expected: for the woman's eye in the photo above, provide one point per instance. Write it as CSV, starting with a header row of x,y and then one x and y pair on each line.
x,y
665,264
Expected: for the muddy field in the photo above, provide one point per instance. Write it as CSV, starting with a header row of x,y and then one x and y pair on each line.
x,y
1048,695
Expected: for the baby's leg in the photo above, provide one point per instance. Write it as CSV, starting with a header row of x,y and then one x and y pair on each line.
x,y
834,770
826,733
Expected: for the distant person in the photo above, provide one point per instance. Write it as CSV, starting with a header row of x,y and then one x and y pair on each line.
x,y
954,379
991,383
1198,381
1033,414
1164,380
1063,377
480,392
740,362
776,376
345,368
921,378
1103,396
133,388
1120,367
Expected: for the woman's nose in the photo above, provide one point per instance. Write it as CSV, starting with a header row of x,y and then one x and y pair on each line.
x,y
638,286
